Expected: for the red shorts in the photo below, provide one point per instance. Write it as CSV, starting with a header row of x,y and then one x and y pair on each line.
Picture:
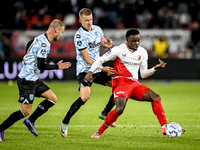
x,y
128,88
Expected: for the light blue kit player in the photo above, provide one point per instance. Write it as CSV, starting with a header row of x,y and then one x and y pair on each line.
x,y
88,40
28,83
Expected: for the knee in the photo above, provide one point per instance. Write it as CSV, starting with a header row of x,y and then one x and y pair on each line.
x,y
119,110
54,99
109,83
85,97
26,112
156,97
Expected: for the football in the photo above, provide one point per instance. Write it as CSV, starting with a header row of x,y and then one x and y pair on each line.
x,y
173,130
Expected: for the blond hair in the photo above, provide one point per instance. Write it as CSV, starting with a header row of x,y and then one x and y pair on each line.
x,y
85,11
56,24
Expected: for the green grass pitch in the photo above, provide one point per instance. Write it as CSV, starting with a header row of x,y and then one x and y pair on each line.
x,y
137,128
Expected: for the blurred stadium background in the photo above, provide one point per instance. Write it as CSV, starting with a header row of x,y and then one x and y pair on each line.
x,y
169,30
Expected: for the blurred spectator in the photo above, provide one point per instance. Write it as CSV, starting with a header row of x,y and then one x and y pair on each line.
x,y
192,48
184,16
160,19
172,20
2,54
161,47
5,42
129,14
69,19
105,22
97,8
18,22
147,22
124,13
112,9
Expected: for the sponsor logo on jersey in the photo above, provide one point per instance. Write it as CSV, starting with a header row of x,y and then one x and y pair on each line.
x,y
130,63
78,36
124,55
43,51
44,45
79,43
94,44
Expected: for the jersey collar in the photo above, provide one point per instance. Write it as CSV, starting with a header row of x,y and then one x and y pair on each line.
x,y
131,50
47,37
85,29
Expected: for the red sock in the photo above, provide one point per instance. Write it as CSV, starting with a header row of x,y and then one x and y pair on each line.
x,y
159,112
110,118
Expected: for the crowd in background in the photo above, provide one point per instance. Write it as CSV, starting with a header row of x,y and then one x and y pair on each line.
x,y
36,14
110,14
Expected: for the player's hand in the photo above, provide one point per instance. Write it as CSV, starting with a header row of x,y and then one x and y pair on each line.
x,y
109,70
161,65
63,65
89,76
108,43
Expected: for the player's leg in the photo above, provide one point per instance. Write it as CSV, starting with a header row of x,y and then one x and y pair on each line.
x,y
43,107
14,117
143,93
41,90
103,79
111,117
84,88
26,90
157,108
121,93
84,96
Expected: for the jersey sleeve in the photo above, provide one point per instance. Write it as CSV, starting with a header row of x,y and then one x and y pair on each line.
x,y
111,54
144,71
43,50
80,41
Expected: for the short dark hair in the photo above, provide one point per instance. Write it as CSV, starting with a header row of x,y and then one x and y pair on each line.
x,y
132,31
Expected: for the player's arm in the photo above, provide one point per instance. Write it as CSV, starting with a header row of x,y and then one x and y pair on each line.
x,y
106,43
43,65
145,73
85,55
94,66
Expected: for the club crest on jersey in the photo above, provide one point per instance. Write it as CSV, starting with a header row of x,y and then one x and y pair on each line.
x,y
139,57
79,43
43,51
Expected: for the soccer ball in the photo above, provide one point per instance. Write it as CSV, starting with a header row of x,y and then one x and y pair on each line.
x,y
173,130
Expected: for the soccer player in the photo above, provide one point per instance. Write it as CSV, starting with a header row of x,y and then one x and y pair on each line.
x,y
128,58
88,40
28,83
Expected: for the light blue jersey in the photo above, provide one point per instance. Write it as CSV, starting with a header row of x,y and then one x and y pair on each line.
x,y
40,47
90,40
